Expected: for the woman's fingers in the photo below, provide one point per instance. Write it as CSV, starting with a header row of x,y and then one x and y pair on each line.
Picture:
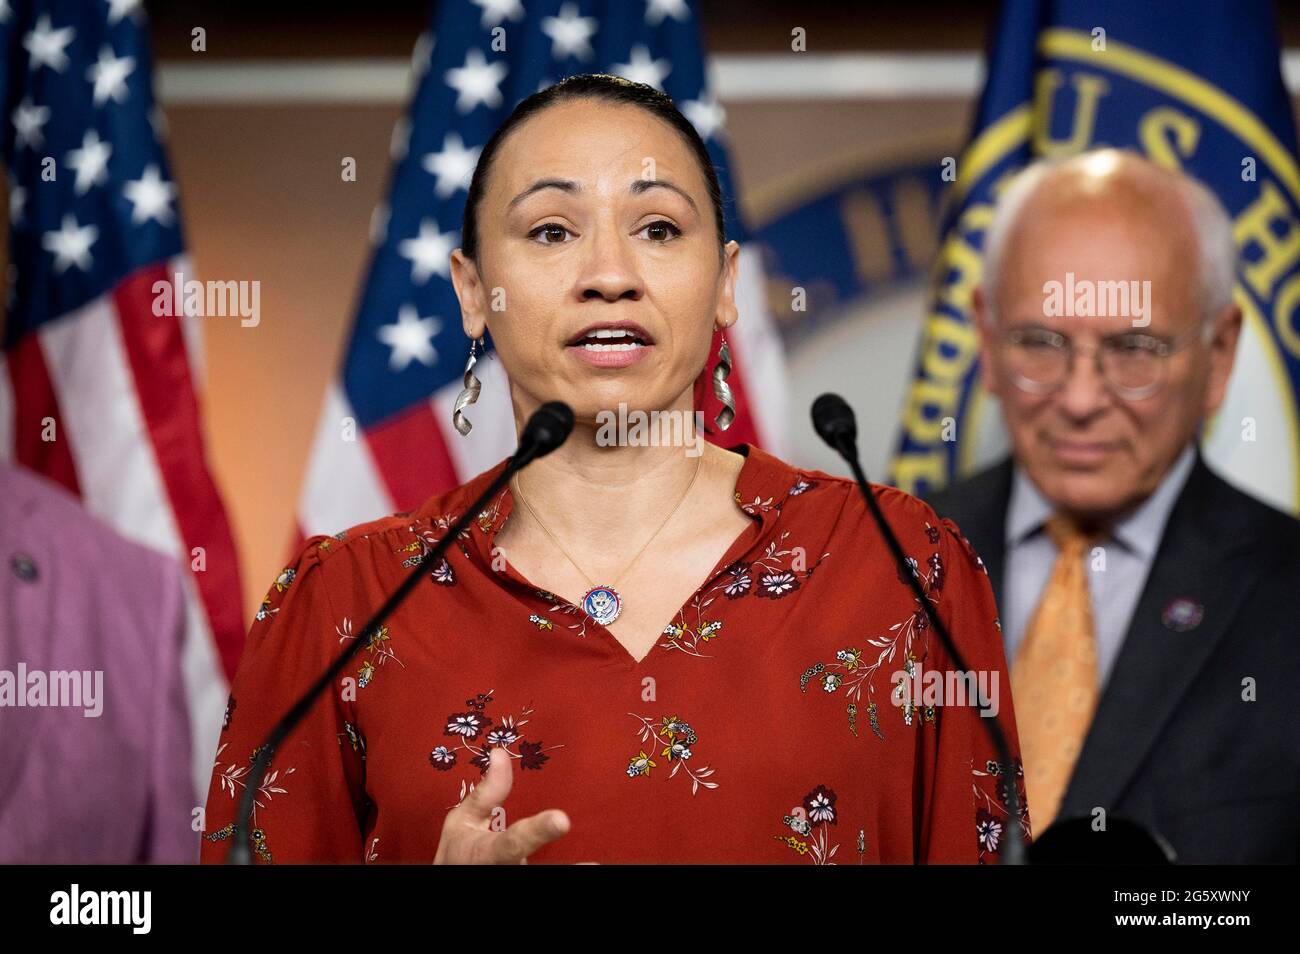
x,y
518,841
491,791
466,826
467,837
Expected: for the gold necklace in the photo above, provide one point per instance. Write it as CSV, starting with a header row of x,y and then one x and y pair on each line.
x,y
603,603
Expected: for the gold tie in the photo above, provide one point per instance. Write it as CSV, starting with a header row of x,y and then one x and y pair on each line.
x,y
1054,677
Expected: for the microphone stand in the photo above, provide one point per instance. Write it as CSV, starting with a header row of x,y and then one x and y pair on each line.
x,y
843,440
531,447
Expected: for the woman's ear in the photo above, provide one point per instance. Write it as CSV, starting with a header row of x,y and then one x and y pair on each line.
x,y
469,291
727,314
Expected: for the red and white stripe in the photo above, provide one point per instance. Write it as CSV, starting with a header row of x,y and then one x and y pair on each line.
x,y
758,356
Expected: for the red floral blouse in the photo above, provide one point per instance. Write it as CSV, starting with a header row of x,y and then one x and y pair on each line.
x,y
765,726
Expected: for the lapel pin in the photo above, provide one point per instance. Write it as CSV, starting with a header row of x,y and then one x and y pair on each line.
x,y
24,567
1182,614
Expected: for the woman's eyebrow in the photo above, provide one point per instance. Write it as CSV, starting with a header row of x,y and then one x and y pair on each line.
x,y
641,185
637,187
564,185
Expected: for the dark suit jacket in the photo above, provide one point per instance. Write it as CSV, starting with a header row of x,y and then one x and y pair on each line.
x,y
1173,744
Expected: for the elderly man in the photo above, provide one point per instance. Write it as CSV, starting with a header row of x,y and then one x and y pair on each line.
x,y
1149,609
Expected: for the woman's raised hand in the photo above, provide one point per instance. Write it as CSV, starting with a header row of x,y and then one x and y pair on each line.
x,y
467,838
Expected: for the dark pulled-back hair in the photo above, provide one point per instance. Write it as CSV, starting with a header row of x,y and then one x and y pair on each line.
x,y
598,86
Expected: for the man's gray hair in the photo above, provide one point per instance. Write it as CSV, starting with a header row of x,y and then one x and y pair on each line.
x,y
1218,250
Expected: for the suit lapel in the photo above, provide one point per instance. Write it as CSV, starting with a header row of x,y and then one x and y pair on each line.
x,y
1157,664
979,508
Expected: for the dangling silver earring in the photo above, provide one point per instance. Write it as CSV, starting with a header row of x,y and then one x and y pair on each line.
x,y
469,393
722,390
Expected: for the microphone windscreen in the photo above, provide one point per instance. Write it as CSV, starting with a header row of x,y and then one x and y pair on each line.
x,y
833,420
548,428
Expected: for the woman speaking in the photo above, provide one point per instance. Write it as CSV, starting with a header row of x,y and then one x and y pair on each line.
x,y
638,652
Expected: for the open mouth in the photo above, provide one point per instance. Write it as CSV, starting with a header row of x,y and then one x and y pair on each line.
x,y
612,339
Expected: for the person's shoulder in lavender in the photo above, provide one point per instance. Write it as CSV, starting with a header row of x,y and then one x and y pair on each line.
x,y
95,754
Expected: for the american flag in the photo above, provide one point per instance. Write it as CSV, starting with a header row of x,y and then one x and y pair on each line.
x,y
93,225
406,358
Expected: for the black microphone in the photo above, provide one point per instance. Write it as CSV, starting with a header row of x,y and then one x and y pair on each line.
x,y
834,422
547,428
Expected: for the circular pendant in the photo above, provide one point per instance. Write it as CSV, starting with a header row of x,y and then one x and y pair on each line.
x,y
603,604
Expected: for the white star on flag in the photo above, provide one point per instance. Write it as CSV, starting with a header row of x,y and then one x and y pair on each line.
x,y
642,69
705,114
454,165
109,76
70,245
90,162
28,120
118,9
428,251
4,11
17,199
411,338
477,81
151,197
46,45
495,11
570,33
656,10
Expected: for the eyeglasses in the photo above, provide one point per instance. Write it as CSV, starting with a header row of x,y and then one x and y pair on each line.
x,y
1133,365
